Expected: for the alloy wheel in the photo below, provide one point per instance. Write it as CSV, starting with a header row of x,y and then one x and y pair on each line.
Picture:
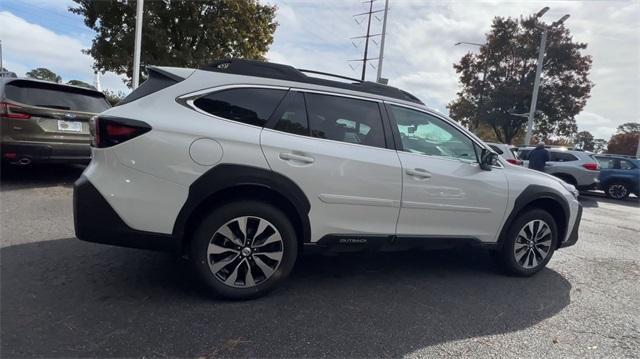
x,y
533,244
245,252
617,191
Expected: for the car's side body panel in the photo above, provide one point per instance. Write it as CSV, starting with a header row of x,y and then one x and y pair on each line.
x,y
154,182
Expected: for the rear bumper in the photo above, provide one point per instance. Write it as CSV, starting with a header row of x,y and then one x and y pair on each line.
x,y
37,152
573,236
96,221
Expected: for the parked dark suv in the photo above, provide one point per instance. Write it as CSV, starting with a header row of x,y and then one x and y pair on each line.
x,y
46,122
619,175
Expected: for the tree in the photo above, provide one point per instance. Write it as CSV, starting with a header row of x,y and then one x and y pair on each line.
x,y
176,33
599,145
114,97
626,139
585,140
81,84
498,82
42,73
629,127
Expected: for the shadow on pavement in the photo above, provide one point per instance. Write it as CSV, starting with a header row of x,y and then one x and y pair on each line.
x,y
66,298
42,175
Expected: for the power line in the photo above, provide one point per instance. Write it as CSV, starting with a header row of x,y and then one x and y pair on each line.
x,y
366,37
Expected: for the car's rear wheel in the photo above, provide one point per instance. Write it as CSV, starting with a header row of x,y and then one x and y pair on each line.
x,y
244,249
617,191
529,243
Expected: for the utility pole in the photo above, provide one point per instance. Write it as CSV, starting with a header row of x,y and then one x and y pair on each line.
x,y
137,44
536,87
366,41
536,83
366,38
383,36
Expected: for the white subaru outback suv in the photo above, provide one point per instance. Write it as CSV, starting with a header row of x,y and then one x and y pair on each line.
x,y
245,165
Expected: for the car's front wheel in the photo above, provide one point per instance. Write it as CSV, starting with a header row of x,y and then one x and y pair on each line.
x,y
244,249
529,243
617,191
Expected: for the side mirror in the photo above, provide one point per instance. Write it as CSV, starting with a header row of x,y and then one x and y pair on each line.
x,y
487,159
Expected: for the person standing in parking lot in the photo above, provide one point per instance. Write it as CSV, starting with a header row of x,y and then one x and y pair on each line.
x,y
538,157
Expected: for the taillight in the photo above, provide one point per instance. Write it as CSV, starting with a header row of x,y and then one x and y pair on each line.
x,y
514,161
14,112
591,166
110,131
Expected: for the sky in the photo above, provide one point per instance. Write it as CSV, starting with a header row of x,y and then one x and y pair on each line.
x,y
419,50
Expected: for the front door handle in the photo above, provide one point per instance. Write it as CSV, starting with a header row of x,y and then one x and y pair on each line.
x,y
294,157
419,172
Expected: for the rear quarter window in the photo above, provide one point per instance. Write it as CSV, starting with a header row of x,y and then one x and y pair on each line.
x,y
524,154
56,96
252,106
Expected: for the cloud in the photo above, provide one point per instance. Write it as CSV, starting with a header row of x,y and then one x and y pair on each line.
x,y
420,54
27,46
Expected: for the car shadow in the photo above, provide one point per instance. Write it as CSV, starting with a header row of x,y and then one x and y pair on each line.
x,y
67,298
13,177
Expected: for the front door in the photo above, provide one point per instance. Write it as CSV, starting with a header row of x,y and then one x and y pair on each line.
x,y
445,193
338,156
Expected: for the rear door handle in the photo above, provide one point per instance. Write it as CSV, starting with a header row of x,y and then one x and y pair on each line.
x,y
294,157
419,172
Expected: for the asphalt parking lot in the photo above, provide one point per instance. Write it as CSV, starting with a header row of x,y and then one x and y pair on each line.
x,y
60,297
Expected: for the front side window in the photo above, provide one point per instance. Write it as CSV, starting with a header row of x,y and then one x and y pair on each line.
x,y
345,119
252,106
428,135
626,165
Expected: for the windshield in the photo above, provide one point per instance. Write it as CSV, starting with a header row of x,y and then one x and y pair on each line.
x,y
56,96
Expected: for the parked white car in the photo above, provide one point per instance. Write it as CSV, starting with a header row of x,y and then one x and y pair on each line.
x,y
245,165
508,152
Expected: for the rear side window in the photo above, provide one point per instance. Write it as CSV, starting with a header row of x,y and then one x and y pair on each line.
x,y
562,157
252,106
294,118
514,152
345,119
56,96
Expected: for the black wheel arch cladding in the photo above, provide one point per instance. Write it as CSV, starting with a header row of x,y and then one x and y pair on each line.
x,y
228,176
530,195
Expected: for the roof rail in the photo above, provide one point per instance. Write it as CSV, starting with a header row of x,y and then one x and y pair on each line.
x,y
290,73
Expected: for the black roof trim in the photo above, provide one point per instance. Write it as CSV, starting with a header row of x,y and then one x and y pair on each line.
x,y
290,73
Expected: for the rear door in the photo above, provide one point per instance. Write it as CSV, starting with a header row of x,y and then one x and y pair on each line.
x,y
48,112
335,149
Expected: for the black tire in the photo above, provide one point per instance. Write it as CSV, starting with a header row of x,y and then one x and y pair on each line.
x,y
617,190
206,234
507,257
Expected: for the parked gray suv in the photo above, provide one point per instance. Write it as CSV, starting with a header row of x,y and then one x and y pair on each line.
x,y
575,167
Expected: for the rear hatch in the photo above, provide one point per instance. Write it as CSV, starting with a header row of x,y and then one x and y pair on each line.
x,y
41,111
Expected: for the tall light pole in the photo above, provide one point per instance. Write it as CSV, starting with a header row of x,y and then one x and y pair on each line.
x,y
137,44
536,83
484,76
383,36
